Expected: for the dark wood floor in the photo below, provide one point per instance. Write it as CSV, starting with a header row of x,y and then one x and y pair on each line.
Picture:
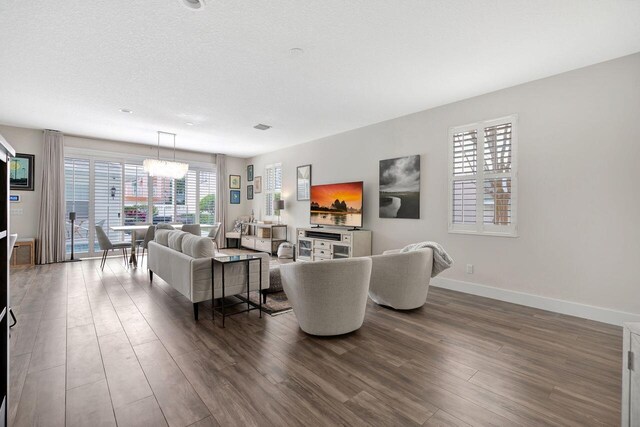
x,y
98,348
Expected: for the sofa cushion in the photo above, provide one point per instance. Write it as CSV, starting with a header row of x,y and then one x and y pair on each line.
x,y
162,237
197,247
175,240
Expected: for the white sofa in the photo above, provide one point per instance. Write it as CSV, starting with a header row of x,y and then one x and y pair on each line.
x,y
400,280
184,262
328,297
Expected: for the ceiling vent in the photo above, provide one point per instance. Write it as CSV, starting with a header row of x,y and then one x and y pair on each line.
x,y
193,4
260,126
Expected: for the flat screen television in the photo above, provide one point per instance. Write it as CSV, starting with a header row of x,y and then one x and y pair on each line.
x,y
337,205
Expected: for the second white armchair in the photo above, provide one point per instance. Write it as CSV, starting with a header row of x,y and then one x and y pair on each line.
x,y
400,280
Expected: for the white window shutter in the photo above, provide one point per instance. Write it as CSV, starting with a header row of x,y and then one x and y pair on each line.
x,y
77,198
483,187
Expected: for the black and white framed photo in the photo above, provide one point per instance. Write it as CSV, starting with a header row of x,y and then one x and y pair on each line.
x,y
399,186
249,192
249,173
258,185
21,172
235,182
303,182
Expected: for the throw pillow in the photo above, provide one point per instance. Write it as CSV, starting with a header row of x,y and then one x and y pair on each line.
x,y
197,247
175,240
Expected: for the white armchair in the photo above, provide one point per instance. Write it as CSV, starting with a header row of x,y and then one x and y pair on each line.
x,y
328,297
401,280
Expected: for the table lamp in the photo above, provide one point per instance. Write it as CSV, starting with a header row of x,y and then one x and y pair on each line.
x,y
278,205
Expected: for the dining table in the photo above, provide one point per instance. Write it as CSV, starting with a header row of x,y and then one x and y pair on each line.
x,y
136,229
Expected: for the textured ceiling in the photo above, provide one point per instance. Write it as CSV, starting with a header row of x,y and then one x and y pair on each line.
x,y
72,64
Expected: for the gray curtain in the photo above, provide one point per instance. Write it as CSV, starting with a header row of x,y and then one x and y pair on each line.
x,y
221,197
51,228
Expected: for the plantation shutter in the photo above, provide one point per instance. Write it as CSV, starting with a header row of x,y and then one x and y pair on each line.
x,y
186,198
207,197
108,197
273,187
465,167
76,175
163,207
497,168
483,187
268,190
136,195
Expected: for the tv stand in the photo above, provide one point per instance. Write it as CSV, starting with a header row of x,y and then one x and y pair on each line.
x,y
331,243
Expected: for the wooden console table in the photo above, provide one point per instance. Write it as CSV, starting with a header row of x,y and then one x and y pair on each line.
x,y
263,237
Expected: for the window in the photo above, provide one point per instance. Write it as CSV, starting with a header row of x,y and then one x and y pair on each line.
x,y
272,188
108,192
163,210
107,199
186,198
207,198
76,172
136,195
482,187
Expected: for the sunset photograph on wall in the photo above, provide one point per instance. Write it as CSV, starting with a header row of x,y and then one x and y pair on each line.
x,y
337,204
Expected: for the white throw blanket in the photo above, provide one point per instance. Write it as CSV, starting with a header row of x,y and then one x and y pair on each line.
x,y
441,259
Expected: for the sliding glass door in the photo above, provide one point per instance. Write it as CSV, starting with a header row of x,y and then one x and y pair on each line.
x,y
107,198
77,200
107,193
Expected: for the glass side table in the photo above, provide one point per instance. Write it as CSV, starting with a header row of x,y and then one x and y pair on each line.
x,y
222,262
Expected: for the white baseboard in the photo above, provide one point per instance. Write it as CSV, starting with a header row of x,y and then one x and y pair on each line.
x,y
599,314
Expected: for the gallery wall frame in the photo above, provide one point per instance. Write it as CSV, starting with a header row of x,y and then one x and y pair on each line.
x,y
235,182
235,197
399,187
303,182
21,170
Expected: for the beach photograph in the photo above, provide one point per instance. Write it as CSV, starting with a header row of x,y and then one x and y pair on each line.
x,y
399,186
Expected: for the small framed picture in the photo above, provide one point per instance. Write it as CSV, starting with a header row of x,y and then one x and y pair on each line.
x,y
235,181
250,173
235,197
21,172
258,185
249,192
303,182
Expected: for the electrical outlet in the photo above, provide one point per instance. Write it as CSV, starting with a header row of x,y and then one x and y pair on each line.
x,y
469,268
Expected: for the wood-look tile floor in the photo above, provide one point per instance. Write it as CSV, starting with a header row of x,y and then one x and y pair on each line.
x,y
95,348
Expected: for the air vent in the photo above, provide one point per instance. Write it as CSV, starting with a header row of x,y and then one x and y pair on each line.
x,y
260,126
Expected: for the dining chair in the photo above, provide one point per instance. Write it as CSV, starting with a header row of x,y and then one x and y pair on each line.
x,y
107,245
163,226
192,228
144,244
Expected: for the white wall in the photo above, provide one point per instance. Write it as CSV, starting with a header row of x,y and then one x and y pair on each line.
x,y
578,197
25,215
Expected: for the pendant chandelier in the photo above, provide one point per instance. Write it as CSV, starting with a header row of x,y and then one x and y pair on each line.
x,y
166,168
